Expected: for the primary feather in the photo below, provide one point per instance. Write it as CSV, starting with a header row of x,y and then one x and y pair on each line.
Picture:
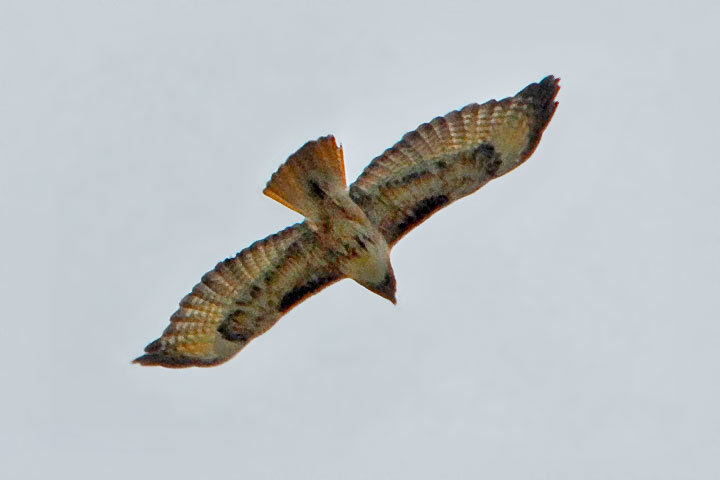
x,y
349,233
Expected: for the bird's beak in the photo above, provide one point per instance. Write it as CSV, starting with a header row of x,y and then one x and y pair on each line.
x,y
386,295
387,288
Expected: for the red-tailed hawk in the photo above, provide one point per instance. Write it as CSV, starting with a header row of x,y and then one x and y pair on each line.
x,y
348,233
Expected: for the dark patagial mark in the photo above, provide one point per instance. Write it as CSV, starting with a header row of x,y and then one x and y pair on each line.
x,y
316,190
422,210
298,293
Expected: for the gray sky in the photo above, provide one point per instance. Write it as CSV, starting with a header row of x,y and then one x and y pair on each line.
x,y
561,323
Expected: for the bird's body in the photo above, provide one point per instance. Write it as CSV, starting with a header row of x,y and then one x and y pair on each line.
x,y
312,182
360,249
349,233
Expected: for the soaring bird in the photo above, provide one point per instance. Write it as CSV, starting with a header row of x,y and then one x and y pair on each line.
x,y
348,233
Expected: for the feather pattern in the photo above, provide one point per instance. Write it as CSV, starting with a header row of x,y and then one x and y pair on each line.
x,y
349,231
451,157
241,298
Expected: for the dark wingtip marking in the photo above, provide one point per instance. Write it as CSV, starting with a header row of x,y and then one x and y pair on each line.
x,y
542,93
155,356
154,346
542,97
164,360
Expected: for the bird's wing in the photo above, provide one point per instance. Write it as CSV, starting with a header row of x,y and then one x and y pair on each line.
x,y
451,157
242,298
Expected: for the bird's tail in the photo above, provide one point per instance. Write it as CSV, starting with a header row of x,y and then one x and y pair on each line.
x,y
308,176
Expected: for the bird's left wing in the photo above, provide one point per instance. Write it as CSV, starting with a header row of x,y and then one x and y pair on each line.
x,y
242,298
451,157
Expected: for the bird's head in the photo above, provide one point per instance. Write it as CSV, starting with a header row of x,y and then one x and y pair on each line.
x,y
386,288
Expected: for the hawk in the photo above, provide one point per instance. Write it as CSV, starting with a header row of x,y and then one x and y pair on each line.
x,y
348,233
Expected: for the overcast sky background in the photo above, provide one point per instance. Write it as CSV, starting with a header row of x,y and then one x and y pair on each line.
x,y
561,323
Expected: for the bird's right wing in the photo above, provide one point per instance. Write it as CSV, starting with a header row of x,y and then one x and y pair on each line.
x,y
242,298
451,157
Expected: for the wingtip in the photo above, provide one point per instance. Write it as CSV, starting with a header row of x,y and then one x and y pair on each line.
x,y
152,352
155,355
156,359
141,360
543,92
144,360
541,96
167,361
